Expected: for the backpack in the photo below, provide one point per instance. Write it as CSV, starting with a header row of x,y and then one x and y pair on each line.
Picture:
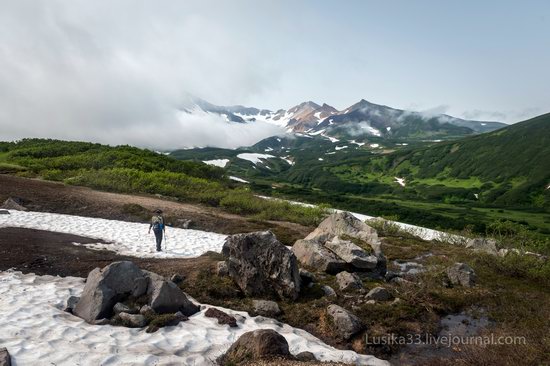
x,y
158,223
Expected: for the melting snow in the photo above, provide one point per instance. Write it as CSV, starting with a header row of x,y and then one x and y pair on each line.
x,y
302,135
237,179
317,132
36,331
388,129
217,162
317,115
401,181
340,147
374,145
321,159
357,143
254,158
268,149
332,139
125,238
287,159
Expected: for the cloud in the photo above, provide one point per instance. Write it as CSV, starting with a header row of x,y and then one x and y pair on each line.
x,y
116,72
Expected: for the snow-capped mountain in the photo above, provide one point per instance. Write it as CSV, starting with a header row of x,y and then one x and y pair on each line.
x,y
360,120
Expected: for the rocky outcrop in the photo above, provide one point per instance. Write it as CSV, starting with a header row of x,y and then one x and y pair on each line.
x,y
483,245
223,318
260,265
166,297
266,308
348,281
379,294
345,323
256,345
5,358
345,224
352,254
315,256
104,288
461,274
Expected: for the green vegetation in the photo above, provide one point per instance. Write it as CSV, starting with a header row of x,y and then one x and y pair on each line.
x,y
131,170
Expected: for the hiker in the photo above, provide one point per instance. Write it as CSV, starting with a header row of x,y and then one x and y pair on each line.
x,y
157,224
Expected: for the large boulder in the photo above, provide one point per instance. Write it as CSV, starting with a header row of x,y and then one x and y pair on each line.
x,y
314,255
345,224
166,297
133,320
379,294
266,308
352,254
5,358
461,274
483,245
256,345
260,265
345,323
104,288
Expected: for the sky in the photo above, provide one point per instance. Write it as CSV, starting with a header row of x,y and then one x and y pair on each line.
x,y
115,71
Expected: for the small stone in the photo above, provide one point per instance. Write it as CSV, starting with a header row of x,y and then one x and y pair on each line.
x,y
4,212
379,294
329,292
71,303
121,308
345,323
370,302
222,269
348,281
146,310
307,277
223,318
266,308
461,274
5,358
133,320
305,356
177,278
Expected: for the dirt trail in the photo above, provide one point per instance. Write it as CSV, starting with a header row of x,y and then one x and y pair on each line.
x,y
45,196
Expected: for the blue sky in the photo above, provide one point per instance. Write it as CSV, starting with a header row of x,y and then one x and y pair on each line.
x,y
108,70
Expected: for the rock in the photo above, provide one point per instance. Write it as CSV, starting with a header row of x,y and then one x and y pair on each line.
x,y
184,223
121,308
305,356
352,254
176,278
379,294
306,277
260,265
315,256
370,302
71,303
221,269
390,275
396,301
348,281
140,286
345,224
4,212
133,320
104,288
329,291
401,281
223,318
483,245
345,323
266,308
146,310
166,297
103,321
461,274
5,358
256,345
13,203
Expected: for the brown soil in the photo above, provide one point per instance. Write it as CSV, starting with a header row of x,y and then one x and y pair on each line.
x,y
45,196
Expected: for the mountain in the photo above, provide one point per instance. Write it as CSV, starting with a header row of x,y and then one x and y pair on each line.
x,y
359,121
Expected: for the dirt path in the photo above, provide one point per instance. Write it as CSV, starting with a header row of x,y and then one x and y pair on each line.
x,y
46,196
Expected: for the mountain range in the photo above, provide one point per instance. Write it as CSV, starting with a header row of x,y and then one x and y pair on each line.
x,y
360,120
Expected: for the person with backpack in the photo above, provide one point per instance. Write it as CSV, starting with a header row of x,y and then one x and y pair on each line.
x,y
157,224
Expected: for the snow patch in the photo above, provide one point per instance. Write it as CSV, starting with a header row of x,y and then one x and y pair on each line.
x,y
400,181
254,158
340,147
37,331
217,162
374,145
237,179
321,159
125,238
388,128
357,143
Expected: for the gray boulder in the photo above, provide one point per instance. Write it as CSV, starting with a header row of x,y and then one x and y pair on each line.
x,y
146,310
306,277
71,303
104,288
5,358
133,320
345,323
121,308
379,294
140,286
13,203
483,245
266,308
256,345
329,291
461,274
352,254
260,265
345,224
166,297
314,255
348,281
